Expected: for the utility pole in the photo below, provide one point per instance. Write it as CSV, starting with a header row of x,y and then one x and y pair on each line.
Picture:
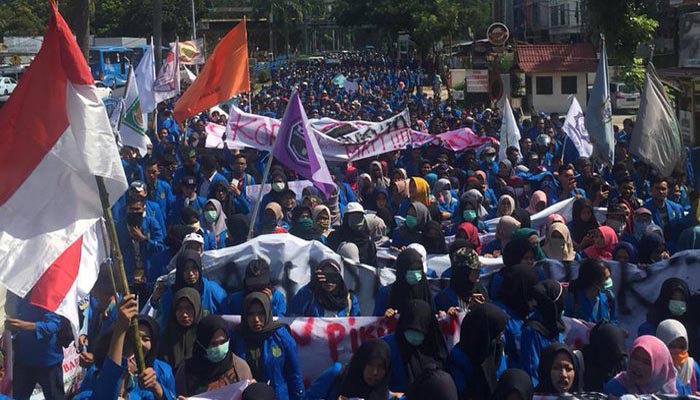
x,y
158,33
80,23
194,26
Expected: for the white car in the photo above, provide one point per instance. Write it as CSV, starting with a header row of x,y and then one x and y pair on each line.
x,y
624,97
7,85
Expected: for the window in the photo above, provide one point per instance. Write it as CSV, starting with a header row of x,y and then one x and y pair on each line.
x,y
577,13
543,85
562,14
554,16
569,85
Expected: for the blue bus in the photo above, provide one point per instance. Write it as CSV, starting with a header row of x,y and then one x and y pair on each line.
x,y
110,64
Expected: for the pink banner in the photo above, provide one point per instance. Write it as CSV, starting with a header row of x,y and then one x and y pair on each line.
x,y
457,140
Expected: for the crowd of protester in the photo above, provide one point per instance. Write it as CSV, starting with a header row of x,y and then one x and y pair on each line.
x,y
185,199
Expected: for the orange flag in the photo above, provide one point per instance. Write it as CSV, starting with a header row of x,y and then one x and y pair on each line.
x,y
224,75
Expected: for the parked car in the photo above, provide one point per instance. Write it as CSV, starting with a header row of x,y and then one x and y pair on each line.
x,y
623,97
7,85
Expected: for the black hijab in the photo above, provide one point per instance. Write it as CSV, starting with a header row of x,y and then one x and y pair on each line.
x,y
606,351
154,328
522,216
515,250
460,262
183,259
433,238
254,340
432,353
514,380
201,371
547,357
353,384
337,299
306,233
648,245
659,310
257,276
388,217
178,341
591,272
516,289
479,334
433,384
401,292
550,298
237,225
579,228
259,391
361,238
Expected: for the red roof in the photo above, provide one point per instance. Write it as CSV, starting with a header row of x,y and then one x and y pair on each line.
x,y
580,57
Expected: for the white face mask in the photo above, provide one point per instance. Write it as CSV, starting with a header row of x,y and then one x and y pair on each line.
x,y
278,186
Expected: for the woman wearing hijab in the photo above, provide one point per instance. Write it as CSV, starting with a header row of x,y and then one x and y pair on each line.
x,y
471,210
533,237
322,219
582,222
230,203
433,238
504,231
398,192
215,222
354,230
650,370
188,273
506,206
558,244
326,295
269,348
416,345
590,297
517,251
514,299
445,200
388,217
675,337
303,225
181,330
605,350
433,384
272,220
604,240
411,284
523,217
417,216
464,273
213,365
625,253
237,226
672,303
257,279
514,384
468,231
418,191
544,326
652,248
379,198
377,174
278,185
538,202
164,385
559,371
365,377
477,361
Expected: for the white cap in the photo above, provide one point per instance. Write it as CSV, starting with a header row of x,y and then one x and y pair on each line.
x,y
354,207
194,237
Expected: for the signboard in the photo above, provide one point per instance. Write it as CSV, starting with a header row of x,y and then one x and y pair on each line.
x,y
477,80
685,121
458,94
497,34
689,40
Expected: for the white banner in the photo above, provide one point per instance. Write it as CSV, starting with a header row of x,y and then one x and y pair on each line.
x,y
252,191
233,391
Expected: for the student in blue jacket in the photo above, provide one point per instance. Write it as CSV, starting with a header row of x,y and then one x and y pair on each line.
x,y
477,361
411,284
326,295
591,298
269,348
465,288
188,273
256,279
675,337
365,377
543,327
215,222
416,345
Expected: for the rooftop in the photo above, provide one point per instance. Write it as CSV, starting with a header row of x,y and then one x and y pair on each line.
x,y
579,57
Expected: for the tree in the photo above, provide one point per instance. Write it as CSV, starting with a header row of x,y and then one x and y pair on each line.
x,y
23,17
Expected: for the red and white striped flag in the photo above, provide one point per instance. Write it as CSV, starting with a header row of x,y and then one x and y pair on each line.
x,y
55,139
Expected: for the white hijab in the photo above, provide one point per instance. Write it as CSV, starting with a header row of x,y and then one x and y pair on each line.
x,y
668,331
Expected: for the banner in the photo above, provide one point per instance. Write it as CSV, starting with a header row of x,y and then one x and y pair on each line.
x,y
456,140
252,191
575,129
233,391
191,52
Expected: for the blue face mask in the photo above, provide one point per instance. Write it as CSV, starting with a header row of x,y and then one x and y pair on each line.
x,y
305,223
413,337
677,307
413,277
469,215
411,221
218,353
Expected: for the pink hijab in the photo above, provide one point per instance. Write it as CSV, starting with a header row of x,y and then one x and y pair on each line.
x,y
663,374
472,234
537,197
610,238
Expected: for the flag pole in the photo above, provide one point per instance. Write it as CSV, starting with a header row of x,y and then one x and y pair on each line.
x,y
256,210
119,261
108,259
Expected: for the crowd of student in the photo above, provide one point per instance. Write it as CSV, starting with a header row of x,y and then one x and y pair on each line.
x,y
184,199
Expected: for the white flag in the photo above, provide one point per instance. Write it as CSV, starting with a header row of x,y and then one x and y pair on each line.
x,y
145,78
132,130
575,129
167,85
510,134
190,75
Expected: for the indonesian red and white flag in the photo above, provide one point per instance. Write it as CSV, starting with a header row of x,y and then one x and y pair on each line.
x,y
56,137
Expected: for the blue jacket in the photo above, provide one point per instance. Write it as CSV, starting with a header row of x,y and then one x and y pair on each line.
x,y
381,300
164,376
327,385
692,387
107,384
234,303
150,249
162,194
674,212
304,304
39,347
461,369
213,297
152,210
218,177
601,310
96,323
175,217
281,365
133,172
446,298
513,335
531,345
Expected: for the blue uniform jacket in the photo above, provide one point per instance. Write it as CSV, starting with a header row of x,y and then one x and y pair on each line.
x,y
304,304
39,347
175,217
94,323
162,193
152,210
326,386
150,249
600,310
234,303
133,171
164,376
281,365
218,177
531,345
461,369
213,297
513,335
692,387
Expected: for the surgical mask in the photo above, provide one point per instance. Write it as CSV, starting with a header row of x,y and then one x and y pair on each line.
x,y
608,284
677,307
305,223
210,216
413,277
411,221
519,191
218,353
278,186
469,215
447,195
413,337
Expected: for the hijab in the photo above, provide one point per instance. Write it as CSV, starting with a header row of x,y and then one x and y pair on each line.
x,y
433,384
547,357
305,232
514,380
337,299
607,351
505,228
480,331
259,391
237,226
277,209
431,178
515,250
422,193
550,298
257,276
556,250
254,340
154,328
580,228
218,226
178,341
648,245
434,239
523,216
422,215
352,381
350,251
432,353
610,239
631,251
663,373
526,233
518,282
659,310
472,234
537,197
201,371
668,331
183,259
506,198
476,199
440,192
402,293
463,259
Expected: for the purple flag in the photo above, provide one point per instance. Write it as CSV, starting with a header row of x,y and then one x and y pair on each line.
x,y
296,147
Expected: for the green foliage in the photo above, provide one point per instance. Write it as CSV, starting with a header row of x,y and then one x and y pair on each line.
x,y
23,17
264,76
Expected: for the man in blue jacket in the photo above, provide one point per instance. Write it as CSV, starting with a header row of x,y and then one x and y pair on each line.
x,y
188,198
664,212
158,190
210,176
